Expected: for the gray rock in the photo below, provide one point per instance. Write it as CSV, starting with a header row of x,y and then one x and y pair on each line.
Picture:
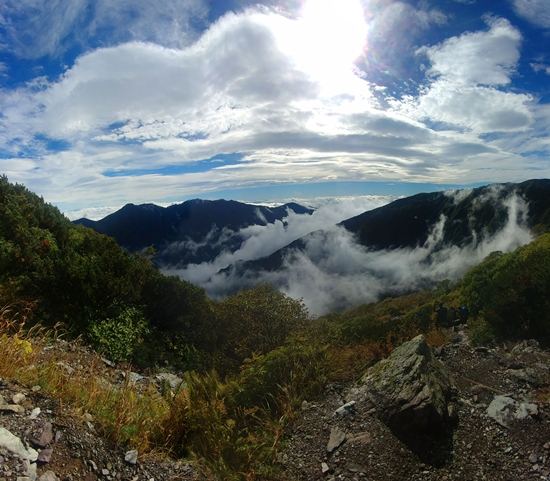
x,y
35,413
504,409
15,445
131,457
345,409
48,476
337,438
174,381
18,398
410,389
47,435
14,408
45,456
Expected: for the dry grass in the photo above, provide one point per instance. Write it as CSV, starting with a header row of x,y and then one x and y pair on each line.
x,y
76,378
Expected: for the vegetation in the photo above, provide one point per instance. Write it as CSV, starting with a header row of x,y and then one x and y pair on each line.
x,y
250,360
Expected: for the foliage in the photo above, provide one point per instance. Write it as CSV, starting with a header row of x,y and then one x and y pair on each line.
x,y
83,279
481,332
257,321
397,317
119,337
512,291
235,425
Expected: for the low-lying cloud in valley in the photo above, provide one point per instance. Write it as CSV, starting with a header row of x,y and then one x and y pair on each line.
x,y
334,272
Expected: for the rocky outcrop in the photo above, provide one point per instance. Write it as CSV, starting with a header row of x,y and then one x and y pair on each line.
x,y
502,431
411,389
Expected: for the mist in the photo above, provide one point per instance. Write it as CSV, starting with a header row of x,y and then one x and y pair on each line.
x,y
258,240
333,272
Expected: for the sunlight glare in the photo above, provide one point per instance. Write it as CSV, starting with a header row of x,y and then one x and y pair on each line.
x,y
327,38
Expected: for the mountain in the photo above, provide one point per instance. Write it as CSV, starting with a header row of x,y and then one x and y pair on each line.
x,y
468,216
192,232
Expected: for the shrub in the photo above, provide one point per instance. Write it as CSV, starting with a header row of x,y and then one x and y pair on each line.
x,y
118,338
512,291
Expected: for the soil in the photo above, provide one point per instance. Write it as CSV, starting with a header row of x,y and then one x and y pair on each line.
x,y
473,447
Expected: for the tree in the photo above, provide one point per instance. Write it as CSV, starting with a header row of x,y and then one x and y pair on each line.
x,y
257,321
512,291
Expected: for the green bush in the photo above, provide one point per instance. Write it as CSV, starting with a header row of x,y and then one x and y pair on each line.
x,y
513,291
119,338
481,332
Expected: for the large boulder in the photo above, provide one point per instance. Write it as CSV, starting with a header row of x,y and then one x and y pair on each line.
x,y
411,389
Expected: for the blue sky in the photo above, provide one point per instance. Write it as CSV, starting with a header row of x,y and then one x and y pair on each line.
x,y
107,102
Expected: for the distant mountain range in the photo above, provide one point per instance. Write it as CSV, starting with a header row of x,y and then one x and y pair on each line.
x,y
192,232
469,215
411,243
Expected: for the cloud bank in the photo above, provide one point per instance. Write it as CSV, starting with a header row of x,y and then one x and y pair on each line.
x,y
334,272
157,109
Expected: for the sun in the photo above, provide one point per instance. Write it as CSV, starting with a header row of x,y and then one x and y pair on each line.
x,y
327,38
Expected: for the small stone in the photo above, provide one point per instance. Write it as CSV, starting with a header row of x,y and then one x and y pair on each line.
x,y
533,458
48,476
14,408
337,437
36,388
282,458
345,409
324,468
45,455
34,413
546,446
105,472
18,398
131,457
508,450
46,436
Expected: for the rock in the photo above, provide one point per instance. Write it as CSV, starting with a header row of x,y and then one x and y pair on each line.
x,y
131,457
174,381
410,389
504,409
14,408
282,458
15,445
337,438
46,437
345,409
48,476
45,456
18,398
34,414
324,468
359,438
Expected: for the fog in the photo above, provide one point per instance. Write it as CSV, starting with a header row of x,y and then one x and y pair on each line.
x,y
334,272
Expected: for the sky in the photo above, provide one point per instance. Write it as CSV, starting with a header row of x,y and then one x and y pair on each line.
x,y
107,102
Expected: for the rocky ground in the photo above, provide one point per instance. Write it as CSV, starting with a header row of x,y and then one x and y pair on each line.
x,y
476,446
41,439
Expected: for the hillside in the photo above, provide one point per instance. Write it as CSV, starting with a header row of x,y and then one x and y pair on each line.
x,y
191,232
410,244
249,384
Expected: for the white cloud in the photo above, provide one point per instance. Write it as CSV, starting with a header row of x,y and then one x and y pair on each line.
x,y
262,240
334,272
536,11
480,58
123,110
466,73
